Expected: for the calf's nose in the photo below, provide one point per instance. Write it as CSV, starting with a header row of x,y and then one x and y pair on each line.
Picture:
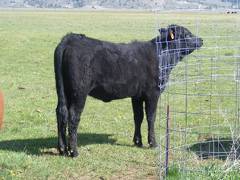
x,y
199,42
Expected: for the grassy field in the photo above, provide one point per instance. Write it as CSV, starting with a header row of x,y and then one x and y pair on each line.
x,y
28,140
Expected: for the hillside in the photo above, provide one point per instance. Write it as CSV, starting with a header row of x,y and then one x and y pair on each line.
x,y
129,4
134,4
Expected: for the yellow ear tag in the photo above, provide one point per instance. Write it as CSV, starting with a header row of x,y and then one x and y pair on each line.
x,y
172,35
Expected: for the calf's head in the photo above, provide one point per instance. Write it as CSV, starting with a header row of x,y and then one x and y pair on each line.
x,y
178,40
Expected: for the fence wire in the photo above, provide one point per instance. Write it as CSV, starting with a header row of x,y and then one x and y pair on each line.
x,y
200,102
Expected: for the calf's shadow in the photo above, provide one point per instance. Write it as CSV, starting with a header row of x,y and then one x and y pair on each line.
x,y
40,146
221,148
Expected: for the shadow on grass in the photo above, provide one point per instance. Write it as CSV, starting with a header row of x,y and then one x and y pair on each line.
x,y
40,146
221,148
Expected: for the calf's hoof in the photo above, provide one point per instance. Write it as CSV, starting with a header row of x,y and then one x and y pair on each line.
x,y
138,142
63,152
153,144
73,153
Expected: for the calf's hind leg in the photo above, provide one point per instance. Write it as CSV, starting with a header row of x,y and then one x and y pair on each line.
x,y
75,111
62,119
137,105
151,107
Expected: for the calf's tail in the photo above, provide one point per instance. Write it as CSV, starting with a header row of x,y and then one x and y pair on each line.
x,y
58,60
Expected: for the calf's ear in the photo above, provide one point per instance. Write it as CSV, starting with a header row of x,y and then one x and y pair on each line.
x,y
163,34
171,35
167,34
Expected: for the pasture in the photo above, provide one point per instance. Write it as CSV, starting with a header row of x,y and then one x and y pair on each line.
x,y
29,138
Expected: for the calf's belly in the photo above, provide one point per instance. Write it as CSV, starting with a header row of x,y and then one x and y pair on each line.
x,y
110,93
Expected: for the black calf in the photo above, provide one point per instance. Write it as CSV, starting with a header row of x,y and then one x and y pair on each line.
x,y
108,71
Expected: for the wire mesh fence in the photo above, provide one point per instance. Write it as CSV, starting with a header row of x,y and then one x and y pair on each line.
x,y
200,105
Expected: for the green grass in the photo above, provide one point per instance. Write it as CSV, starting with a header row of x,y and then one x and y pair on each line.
x,y
28,140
